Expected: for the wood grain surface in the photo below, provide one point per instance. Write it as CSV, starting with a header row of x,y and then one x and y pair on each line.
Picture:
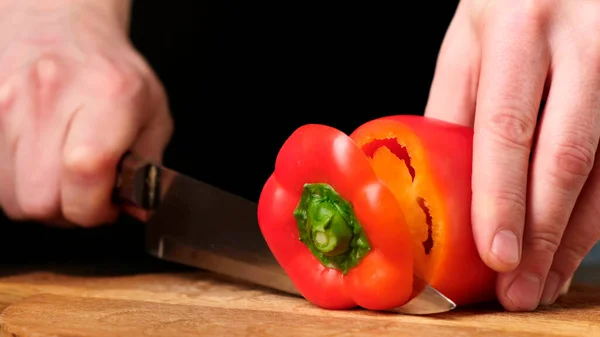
x,y
44,304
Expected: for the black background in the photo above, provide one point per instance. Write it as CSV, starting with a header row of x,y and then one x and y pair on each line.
x,y
241,76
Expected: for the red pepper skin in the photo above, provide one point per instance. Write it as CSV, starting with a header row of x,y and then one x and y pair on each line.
x,y
321,154
441,157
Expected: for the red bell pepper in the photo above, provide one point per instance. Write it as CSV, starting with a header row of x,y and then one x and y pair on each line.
x,y
426,163
333,225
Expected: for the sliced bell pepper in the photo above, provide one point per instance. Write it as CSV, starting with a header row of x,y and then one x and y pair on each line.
x,y
426,163
335,228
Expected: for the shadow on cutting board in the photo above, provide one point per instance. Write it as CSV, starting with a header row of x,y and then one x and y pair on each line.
x,y
104,251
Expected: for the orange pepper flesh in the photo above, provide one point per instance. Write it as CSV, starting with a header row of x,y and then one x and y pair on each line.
x,y
391,163
429,174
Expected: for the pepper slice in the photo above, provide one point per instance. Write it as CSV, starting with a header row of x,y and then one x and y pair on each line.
x,y
426,163
333,226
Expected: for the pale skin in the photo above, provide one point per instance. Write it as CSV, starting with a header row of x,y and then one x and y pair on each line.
x,y
75,95
533,221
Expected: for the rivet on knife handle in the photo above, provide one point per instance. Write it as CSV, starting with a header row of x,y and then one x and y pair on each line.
x,y
138,182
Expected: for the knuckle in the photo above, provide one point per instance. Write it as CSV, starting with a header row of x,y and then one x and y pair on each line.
x,y
47,77
7,97
512,126
574,158
510,202
135,86
47,73
113,81
89,162
544,241
521,14
537,10
123,85
574,251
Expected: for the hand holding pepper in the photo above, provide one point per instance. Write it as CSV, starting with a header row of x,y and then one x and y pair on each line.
x,y
536,183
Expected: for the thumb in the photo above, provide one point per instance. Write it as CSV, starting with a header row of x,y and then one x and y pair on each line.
x,y
453,91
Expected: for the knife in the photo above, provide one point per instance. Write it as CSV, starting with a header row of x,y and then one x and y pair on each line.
x,y
196,224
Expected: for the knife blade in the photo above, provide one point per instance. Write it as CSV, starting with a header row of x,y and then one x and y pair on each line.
x,y
196,224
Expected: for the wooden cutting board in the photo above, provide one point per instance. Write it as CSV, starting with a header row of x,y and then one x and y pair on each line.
x,y
45,304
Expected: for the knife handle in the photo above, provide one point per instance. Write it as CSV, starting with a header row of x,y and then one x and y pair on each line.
x,y
138,182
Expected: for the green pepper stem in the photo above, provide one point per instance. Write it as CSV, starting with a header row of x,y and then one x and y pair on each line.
x,y
332,237
329,228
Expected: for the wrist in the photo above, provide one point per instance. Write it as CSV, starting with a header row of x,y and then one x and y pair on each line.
x,y
117,10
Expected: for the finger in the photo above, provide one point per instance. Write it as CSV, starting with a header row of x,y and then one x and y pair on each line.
x,y
453,90
97,137
40,135
112,110
515,63
582,233
563,159
575,150
155,135
151,144
91,158
8,200
566,286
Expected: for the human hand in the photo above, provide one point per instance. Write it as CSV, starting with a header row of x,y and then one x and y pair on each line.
x,y
534,219
74,97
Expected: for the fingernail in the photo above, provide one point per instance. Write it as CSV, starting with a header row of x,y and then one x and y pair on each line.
x,y
506,247
566,287
551,288
525,291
